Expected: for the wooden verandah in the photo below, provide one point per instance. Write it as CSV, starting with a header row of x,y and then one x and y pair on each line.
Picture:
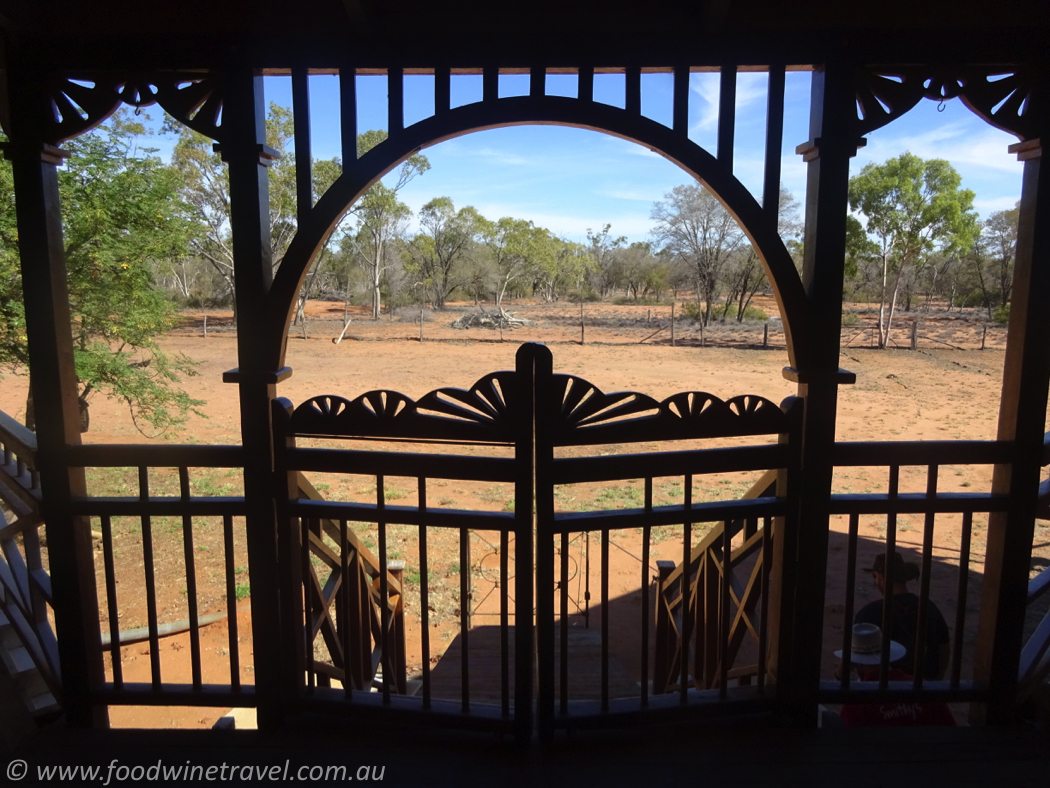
x,y
62,80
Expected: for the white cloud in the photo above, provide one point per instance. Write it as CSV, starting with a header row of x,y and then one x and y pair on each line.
x,y
986,207
572,227
749,89
628,193
955,142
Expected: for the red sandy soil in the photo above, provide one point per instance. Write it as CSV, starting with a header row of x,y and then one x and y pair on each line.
x,y
934,393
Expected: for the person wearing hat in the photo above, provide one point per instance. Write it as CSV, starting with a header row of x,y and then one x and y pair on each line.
x,y
866,656
904,617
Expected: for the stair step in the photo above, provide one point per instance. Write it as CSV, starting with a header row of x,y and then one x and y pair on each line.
x,y
18,660
43,703
9,637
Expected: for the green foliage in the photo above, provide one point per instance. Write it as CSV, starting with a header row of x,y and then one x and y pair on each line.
x,y
914,209
121,214
850,319
242,591
1001,314
692,310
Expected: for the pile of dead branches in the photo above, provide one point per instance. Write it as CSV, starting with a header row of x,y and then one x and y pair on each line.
x,y
494,320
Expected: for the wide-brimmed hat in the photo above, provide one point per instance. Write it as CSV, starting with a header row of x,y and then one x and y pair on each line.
x,y
866,648
900,571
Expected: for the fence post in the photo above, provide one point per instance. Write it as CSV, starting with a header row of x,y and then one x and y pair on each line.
x,y
672,324
583,329
984,336
765,335
205,326
915,334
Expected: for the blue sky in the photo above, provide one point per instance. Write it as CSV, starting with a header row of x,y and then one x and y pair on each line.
x,y
569,180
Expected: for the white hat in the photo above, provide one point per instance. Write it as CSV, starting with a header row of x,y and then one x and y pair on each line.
x,y
866,648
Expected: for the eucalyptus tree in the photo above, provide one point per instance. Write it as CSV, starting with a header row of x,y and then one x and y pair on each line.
x,y
912,207
695,227
992,258
603,249
438,254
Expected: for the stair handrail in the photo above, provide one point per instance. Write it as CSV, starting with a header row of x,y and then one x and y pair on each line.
x,y
673,587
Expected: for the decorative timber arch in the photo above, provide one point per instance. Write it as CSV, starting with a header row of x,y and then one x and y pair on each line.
x,y
758,224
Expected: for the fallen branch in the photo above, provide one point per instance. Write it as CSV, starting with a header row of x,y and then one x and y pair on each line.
x,y
657,331
342,333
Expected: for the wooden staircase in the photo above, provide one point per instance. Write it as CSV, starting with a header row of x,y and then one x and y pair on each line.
x,y
28,648
698,622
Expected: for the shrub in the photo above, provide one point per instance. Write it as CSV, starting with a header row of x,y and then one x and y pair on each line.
x,y
850,319
1001,314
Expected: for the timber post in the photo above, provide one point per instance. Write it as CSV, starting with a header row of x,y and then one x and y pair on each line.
x,y
827,154
53,381
1022,414
243,149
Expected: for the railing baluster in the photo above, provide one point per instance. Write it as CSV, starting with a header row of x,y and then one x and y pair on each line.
x,y
887,604
563,598
922,620
191,576
231,602
723,611
111,601
151,585
343,612
308,595
606,609
687,539
464,616
385,646
647,531
847,615
424,595
763,628
504,618
960,596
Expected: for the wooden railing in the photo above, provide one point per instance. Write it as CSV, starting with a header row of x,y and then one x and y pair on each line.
x,y
932,504
1034,669
219,517
705,600
25,584
365,634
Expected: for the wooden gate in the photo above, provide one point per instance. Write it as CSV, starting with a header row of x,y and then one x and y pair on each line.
x,y
344,600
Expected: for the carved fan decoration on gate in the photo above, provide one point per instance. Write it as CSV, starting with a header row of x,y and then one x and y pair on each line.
x,y
1001,97
477,415
80,103
586,415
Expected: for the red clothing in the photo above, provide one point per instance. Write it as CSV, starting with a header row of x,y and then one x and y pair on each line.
x,y
894,713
